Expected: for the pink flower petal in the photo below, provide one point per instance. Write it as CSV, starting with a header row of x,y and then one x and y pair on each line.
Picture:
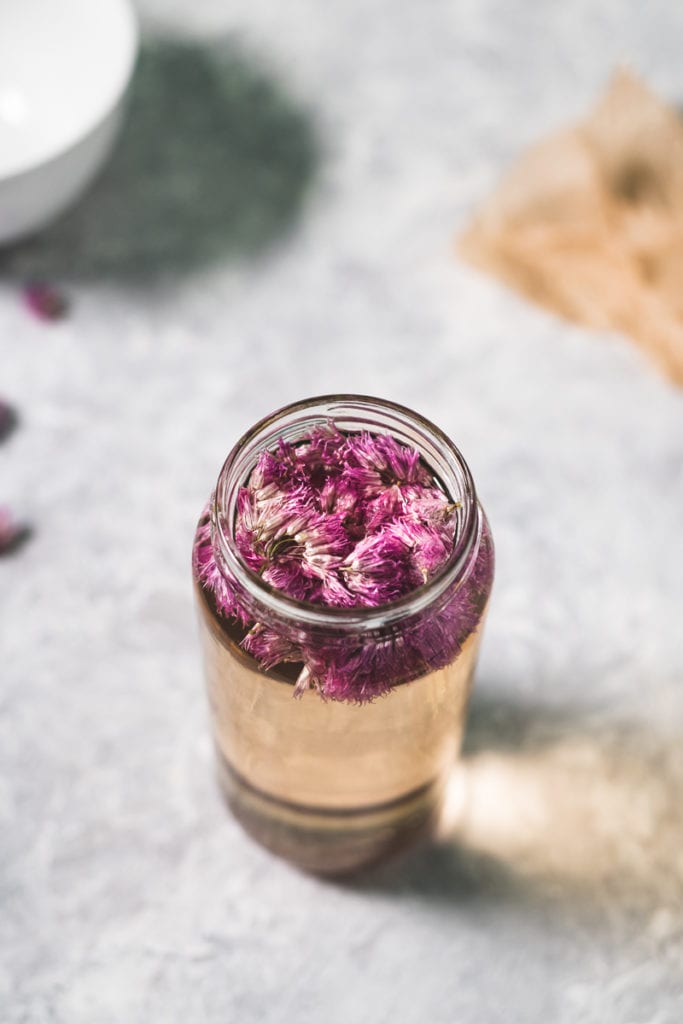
x,y
45,301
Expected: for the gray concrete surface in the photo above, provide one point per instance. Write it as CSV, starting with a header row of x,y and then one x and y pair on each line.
x,y
356,139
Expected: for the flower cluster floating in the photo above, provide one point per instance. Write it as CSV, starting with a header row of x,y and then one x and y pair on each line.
x,y
342,521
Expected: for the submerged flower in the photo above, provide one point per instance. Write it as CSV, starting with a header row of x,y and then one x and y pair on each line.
x,y
340,520
207,572
270,648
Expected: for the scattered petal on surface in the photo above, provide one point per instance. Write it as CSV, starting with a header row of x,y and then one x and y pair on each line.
x,y
12,533
45,301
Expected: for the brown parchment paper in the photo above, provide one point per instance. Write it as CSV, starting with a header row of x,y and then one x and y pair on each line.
x,y
589,223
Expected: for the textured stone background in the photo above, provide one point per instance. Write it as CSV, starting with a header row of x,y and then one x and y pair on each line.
x,y
278,222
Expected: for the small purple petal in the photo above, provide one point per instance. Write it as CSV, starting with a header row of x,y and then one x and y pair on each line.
x,y
12,533
45,301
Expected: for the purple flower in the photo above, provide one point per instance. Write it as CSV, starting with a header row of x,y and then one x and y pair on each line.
x,y
344,520
393,462
380,568
207,573
270,648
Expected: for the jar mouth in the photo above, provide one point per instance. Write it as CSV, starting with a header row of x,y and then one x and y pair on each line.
x,y
348,412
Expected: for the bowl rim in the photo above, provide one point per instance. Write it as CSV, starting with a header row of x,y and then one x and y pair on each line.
x,y
114,95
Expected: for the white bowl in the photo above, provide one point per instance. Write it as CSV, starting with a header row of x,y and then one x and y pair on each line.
x,y
64,69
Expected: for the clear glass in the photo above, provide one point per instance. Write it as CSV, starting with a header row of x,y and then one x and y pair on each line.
x,y
328,784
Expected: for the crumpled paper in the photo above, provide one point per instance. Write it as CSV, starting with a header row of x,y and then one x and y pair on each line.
x,y
589,223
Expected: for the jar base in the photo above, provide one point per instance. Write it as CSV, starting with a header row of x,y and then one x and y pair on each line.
x,y
330,841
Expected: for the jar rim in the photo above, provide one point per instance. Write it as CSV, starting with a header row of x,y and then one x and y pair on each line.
x,y
334,408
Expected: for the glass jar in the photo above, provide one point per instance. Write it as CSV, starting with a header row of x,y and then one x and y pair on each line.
x,y
329,784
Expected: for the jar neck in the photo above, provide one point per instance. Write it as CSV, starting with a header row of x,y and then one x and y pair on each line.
x,y
348,414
